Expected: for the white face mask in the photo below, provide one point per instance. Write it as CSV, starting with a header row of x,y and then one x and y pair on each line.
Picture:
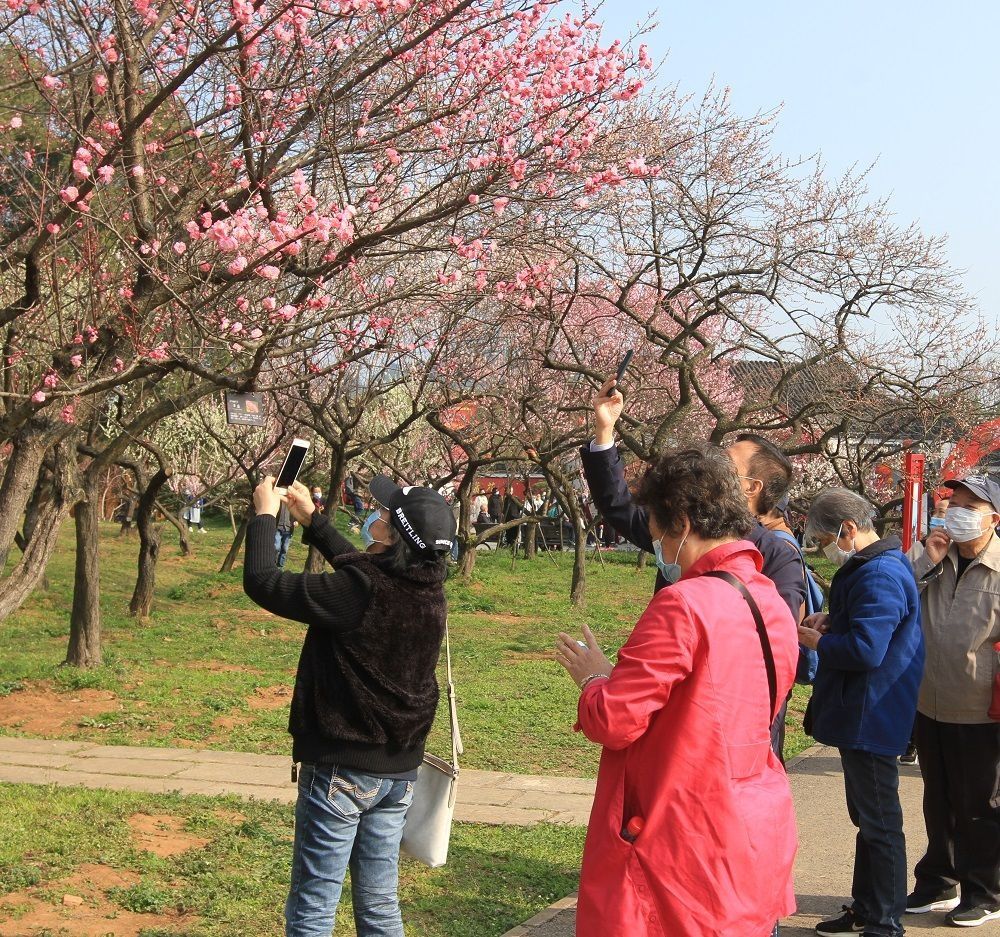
x,y
964,524
835,554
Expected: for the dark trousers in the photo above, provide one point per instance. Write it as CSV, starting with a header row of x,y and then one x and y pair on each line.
x,y
961,769
871,783
778,732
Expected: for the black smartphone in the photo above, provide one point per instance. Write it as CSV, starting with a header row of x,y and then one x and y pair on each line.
x,y
623,366
292,464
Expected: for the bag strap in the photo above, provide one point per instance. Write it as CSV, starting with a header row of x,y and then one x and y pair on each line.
x,y
765,641
456,736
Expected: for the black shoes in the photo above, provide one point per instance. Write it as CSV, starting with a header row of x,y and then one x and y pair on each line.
x,y
847,923
920,902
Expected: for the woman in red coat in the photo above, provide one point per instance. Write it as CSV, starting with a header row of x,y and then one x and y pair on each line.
x,y
692,832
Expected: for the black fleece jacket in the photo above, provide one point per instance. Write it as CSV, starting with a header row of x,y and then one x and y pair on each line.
x,y
365,688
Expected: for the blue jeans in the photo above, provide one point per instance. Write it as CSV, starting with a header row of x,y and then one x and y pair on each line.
x,y
281,538
344,818
879,890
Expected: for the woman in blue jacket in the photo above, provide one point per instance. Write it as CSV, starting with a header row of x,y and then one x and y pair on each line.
x,y
871,659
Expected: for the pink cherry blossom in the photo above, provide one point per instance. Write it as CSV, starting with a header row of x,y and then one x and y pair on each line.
x,y
179,247
105,173
15,122
70,194
76,360
268,272
51,83
38,397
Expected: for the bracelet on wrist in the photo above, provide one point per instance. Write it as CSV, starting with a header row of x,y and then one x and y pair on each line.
x,y
590,678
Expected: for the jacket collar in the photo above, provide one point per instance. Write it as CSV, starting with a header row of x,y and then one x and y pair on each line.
x,y
725,556
870,552
989,556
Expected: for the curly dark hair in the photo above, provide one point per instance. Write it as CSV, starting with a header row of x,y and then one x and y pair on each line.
x,y
699,484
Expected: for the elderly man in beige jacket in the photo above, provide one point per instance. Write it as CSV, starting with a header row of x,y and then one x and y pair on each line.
x,y
958,744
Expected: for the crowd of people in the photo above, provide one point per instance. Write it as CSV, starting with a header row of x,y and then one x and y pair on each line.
x,y
693,831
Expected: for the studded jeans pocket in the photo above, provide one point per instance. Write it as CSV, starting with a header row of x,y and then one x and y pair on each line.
x,y
352,793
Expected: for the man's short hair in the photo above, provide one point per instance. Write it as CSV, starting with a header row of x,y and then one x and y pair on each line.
x,y
772,467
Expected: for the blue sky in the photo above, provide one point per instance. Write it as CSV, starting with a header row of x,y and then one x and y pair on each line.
x,y
912,86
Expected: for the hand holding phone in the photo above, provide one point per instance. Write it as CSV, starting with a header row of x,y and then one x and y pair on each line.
x,y
292,465
623,366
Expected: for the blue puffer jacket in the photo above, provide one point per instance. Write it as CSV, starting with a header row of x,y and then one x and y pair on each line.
x,y
872,658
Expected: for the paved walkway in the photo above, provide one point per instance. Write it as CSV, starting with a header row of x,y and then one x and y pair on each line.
x,y
483,796
823,869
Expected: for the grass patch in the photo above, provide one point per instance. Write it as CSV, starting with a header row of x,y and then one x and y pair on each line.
x,y
187,676
235,885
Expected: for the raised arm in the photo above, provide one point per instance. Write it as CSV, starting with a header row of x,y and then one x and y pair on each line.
x,y
605,472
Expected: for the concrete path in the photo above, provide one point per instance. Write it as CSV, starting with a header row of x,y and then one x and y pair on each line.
x,y
823,869
483,796
826,853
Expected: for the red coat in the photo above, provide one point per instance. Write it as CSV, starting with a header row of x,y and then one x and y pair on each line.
x,y
684,724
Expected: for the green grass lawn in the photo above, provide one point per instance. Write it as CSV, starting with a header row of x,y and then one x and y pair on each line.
x,y
212,670
233,880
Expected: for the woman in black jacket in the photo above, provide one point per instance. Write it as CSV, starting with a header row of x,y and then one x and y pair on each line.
x,y
365,691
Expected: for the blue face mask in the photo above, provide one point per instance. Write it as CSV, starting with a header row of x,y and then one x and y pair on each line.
x,y
936,522
366,531
671,572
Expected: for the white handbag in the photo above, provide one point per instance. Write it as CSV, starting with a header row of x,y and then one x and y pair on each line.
x,y
427,830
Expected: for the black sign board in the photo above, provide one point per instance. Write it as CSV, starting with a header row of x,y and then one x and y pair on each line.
x,y
244,409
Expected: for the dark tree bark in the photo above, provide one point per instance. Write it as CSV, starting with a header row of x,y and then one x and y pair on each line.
x,y
562,487
85,618
234,551
334,499
149,546
37,550
182,531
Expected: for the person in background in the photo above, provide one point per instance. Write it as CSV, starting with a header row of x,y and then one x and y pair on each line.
x,y
283,535
495,504
958,575
192,514
871,657
318,500
480,513
365,691
692,831
934,522
764,472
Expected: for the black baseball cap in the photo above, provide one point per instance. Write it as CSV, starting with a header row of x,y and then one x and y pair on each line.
x,y
982,486
420,515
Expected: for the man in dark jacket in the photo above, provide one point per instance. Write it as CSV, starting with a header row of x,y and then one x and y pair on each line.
x,y
495,505
765,474
871,658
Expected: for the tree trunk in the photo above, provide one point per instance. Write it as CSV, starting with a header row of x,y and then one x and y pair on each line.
x,y
20,480
334,499
182,531
232,519
26,575
149,547
530,541
563,489
466,531
85,618
234,551
641,560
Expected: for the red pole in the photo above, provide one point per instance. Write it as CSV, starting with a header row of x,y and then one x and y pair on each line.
x,y
913,498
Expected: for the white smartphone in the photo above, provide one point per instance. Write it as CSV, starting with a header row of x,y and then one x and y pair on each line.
x,y
292,464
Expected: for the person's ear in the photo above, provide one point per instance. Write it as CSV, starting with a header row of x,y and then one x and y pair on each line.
x,y
850,530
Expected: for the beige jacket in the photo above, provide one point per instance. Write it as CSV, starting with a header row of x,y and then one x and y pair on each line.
x,y
960,625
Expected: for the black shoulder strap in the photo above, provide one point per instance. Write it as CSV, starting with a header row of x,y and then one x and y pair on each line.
x,y
765,642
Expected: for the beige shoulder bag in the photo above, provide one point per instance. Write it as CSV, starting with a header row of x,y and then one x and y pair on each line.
x,y
428,820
